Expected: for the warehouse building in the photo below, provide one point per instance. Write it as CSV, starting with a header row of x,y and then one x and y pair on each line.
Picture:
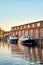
x,y
34,29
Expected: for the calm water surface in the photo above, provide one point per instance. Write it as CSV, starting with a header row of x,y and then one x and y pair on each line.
x,y
19,55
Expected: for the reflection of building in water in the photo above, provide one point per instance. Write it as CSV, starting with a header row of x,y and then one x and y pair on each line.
x,y
33,29
32,54
19,52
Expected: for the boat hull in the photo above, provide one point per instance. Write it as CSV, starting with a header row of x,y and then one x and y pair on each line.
x,y
13,41
30,43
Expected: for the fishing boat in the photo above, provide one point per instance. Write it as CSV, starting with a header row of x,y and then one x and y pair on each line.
x,y
28,40
13,40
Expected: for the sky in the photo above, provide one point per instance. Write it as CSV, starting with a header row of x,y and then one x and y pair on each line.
x,y
18,12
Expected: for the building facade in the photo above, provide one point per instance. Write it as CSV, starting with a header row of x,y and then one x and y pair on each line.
x,y
34,29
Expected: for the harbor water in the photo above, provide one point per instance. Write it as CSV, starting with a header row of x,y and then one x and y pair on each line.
x,y
11,54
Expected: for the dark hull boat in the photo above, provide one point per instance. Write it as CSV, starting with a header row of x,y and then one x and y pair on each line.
x,y
13,40
28,41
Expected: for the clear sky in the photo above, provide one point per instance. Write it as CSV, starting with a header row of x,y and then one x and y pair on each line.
x,y
17,12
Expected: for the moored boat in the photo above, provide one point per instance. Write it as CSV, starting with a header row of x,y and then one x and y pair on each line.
x,y
13,40
28,40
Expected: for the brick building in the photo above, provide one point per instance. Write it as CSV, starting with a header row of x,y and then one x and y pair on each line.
x,y
34,29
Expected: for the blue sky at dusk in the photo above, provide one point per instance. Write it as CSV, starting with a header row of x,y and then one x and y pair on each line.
x,y
17,12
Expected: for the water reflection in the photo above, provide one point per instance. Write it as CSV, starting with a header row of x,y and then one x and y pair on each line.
x,y
19,55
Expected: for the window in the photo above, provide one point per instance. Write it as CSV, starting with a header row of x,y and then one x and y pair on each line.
x,y
28,26
22,32
37,33
15,28
19,32
18,28
38,24
32,25
24,26
26,32
31,32
13,34
21,27
16,33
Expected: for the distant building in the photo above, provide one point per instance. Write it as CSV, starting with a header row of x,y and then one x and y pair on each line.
x,y
34,29
6,33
